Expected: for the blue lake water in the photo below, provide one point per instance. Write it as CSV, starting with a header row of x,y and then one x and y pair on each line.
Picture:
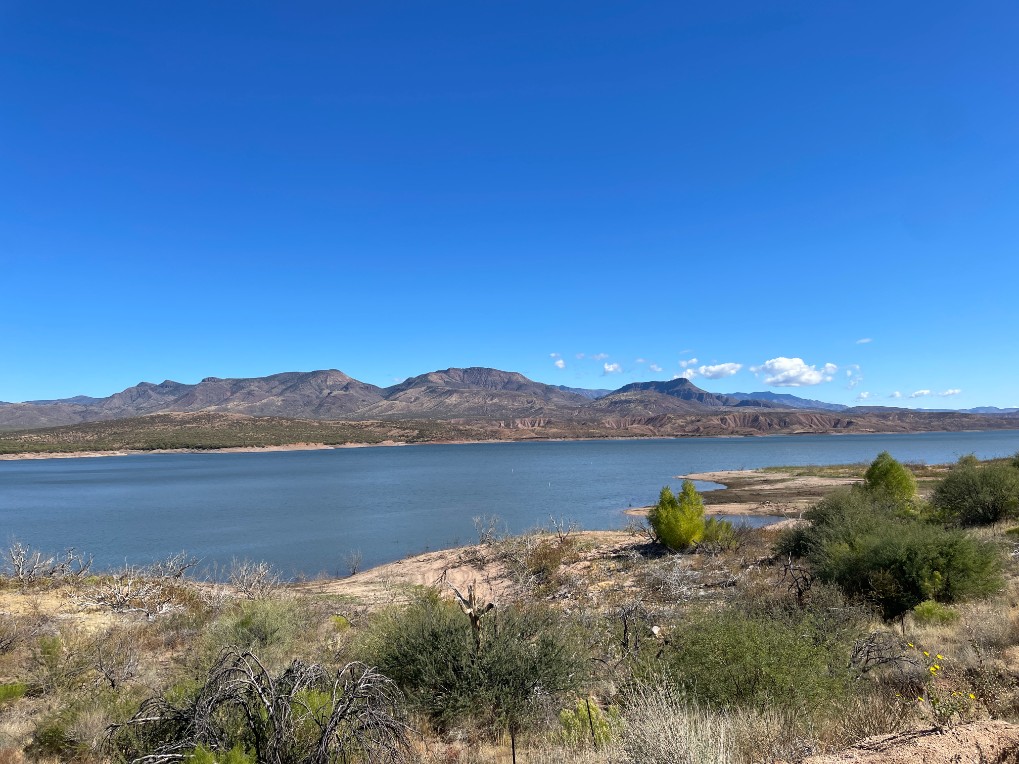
x,y
305,510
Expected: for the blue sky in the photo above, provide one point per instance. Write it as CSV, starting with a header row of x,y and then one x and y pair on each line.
x,y
237,189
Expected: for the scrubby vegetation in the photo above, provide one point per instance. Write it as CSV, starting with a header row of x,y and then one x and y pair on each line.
x,y
882,611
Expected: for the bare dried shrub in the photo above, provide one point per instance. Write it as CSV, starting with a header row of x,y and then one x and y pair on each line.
x,y
303,714
662,728
9,636
152,590
29,566
115,656
490,528
253,580
353,560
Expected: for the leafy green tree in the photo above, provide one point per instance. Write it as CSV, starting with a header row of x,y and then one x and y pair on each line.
x,y
678,522
971,495
886,475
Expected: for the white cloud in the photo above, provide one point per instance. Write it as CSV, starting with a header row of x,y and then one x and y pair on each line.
x,y
720,370
560,363
553,355
951,391
863,396
655,367
580,356
687,363
688,374
612,368
640,360
920,394
864,340
896,394
600,356
793,372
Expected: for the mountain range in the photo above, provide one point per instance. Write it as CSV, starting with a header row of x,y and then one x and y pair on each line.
x,y
471,394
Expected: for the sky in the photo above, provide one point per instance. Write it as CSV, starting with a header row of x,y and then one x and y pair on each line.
x,y
812,198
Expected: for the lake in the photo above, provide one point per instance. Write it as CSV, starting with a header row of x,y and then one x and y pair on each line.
x,y
304,511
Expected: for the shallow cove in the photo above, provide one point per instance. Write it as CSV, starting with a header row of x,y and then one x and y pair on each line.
x,y
305,510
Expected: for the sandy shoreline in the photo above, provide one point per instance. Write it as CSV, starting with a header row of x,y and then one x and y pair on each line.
x,y
228,450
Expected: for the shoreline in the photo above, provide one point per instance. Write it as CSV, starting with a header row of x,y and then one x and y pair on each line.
x,y
92,453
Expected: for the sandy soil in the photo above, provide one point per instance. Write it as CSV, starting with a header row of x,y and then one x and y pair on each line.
x,y
458,567
770,494
232,450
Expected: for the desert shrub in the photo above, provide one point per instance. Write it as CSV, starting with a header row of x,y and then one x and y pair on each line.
x,y
719,535
859,541
59,663
899,564
253,580
588,724
9,636
300,714
678,522
886,475
527,658
77,727
12,691
932,613
663,727
970,495
731,659
548,555
52,736
271,626
236,755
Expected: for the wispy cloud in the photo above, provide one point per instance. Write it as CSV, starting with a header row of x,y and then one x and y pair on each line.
x,y
580,356
950,392
560,363
896,394
655,367
553,355
863,396
920,393
794,372
640,360
600,356
687,363
612,368
854,376
864,340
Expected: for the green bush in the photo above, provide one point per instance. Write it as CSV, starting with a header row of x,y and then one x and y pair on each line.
x,y
932,613
235,755
886,475
720,534
587,724
970,495
735,659
678,522
428,649
858,541
59,663
12,691
270,626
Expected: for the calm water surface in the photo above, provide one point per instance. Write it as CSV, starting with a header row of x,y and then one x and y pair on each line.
x,y
305,510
